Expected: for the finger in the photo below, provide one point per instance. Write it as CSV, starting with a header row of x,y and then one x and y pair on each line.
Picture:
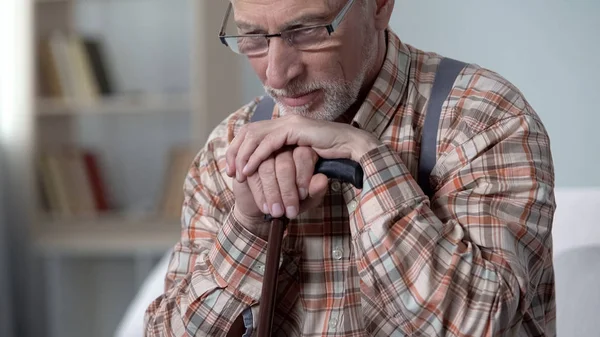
x,y
266,171
251,142
286,178
316,192
252,156
305,159
256,188
252,139
232,151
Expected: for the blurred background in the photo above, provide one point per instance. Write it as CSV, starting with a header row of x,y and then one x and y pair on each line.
x,y
103,103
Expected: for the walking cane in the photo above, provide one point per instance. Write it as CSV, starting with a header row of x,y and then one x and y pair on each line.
x,y
342,169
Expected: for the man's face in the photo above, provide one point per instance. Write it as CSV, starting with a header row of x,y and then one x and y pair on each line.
x,y
318,83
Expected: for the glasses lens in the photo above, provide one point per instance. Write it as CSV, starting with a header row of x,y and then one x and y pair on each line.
x,y
248,45
307,38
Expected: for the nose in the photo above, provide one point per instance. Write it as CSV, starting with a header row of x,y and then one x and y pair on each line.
x,y
283,64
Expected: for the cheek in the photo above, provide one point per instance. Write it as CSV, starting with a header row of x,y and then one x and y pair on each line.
x,y
259,65
353,57
326,66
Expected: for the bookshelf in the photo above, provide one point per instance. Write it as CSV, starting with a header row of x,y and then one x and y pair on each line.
x,y
112,235
114,105
112,83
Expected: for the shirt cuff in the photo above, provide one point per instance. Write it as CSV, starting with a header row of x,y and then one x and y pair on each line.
x,y
387,185
239,258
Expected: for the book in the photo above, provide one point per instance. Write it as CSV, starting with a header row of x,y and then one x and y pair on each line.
x,y
87,88
59,47
71,183
49,77
73,67
99,65
95,178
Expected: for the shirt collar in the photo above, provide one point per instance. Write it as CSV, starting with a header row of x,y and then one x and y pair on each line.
x,y
385,96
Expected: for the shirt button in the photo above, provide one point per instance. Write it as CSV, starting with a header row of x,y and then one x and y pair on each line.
x,y
333,324
352,206
336,186
338,253
260,267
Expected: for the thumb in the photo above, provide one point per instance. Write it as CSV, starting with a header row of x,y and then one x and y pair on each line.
x,y
316,191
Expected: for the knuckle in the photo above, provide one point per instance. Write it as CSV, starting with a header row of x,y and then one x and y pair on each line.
x,y
254,183
270,192
302,154
285,167
289,196
249,131
266,169
243,130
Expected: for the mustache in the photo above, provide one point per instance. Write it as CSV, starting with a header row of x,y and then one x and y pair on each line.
x,y
293,90
296,89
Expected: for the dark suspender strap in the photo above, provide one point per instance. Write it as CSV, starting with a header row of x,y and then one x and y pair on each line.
x,y
264,110
447,72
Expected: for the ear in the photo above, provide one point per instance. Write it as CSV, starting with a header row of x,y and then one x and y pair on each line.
x,y
383,12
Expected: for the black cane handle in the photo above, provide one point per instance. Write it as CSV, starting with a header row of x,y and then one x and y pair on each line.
x,y
345,170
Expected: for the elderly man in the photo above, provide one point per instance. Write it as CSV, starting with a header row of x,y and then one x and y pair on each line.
x,y
473,259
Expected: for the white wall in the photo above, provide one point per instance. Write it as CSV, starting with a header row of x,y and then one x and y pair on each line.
x,y
548,48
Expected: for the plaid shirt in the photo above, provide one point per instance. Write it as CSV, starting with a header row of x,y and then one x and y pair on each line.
x,y
476,260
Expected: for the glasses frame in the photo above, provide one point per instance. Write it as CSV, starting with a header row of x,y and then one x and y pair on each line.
x,y
331,27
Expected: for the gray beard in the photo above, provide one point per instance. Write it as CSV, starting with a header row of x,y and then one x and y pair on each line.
x,y
339,96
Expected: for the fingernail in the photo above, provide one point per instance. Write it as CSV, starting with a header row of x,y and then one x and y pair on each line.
x,y
291,212
276,211
238,176
303,193
227,168
266,208
245,169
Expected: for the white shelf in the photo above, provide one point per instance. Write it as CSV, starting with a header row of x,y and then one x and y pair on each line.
x,y
115,105
113,235
50,1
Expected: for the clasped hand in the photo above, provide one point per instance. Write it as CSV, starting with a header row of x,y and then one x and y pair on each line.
x,y
273,163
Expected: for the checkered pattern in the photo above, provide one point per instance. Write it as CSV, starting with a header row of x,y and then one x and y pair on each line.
x,y
476,260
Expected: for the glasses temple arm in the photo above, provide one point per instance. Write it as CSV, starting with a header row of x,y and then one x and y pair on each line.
x,y
227,12
341,15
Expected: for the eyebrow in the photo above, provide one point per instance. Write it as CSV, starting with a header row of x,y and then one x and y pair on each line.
x,y
304,19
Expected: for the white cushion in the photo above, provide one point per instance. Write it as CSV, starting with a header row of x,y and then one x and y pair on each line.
x,y
132,324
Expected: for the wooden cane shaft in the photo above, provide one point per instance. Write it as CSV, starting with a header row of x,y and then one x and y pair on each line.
x,y
269,287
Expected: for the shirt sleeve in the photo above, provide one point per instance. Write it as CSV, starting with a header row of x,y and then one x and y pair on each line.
x,y
216,270
482,261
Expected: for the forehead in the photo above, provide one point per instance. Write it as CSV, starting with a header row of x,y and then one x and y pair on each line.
x,y
277,13
254,5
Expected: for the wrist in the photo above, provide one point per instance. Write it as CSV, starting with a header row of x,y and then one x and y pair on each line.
x,y
257,225
365,143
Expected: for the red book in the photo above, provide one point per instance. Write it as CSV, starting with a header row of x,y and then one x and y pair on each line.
x,y
96,182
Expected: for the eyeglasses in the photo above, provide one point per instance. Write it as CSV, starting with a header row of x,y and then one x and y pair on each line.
x,y
305,38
